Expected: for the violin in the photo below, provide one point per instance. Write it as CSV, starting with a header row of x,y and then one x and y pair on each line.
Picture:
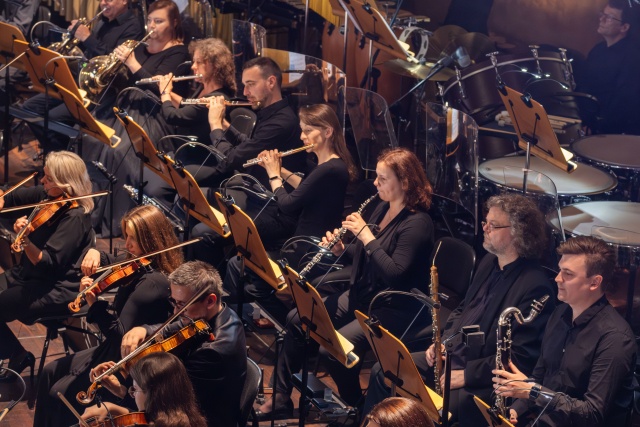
x,y
197,328
126,420
107,280
40,216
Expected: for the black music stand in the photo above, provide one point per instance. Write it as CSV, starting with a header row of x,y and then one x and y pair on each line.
x,y
493,419
190,195
317,324
400,372
535,134
251,251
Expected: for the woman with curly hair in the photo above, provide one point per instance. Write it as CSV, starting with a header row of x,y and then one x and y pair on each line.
x,y
142,298
389,253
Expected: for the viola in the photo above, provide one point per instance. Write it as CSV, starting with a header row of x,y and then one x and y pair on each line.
x,y
126,420
108,280
39,217
197,328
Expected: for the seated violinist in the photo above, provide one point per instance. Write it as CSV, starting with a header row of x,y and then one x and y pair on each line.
x,y
53,241
216,363
162,392
143,289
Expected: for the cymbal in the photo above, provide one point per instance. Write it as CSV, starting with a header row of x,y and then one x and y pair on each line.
x,y
477,45
441,38
417,71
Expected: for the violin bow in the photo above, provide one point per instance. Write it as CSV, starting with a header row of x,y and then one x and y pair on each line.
x,y
53,202
75,413
18,185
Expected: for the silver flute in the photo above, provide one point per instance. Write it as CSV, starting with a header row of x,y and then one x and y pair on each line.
x,y
151,80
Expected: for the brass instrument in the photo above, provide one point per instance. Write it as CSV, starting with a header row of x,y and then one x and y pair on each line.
x,y
283,154
338,236
102,70
69,43
175,79
503,353
435,324
205,101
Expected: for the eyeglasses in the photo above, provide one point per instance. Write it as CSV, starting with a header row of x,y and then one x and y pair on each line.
x,y
180,304
492,227
132,391
608,17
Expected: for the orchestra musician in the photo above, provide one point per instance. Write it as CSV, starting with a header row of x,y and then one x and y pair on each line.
x,y
45,280
161,390
116,25
316,209
585,372
141,299
510,275
398,412
389,254
217,368
213,60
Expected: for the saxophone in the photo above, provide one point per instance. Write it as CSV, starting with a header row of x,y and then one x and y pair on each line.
x,y
435,324
339,235
503,353
101,70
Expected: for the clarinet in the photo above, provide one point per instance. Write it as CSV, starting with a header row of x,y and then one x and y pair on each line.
x,y
339,235
435,324
503,353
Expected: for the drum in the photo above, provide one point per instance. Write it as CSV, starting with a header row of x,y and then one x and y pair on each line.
x,y
617,224
585,182
474,90
618,153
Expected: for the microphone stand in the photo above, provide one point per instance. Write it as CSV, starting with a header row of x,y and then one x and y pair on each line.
x,y
112,181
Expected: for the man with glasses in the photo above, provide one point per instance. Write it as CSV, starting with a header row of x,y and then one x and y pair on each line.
x,y
216,365
610,72
508,276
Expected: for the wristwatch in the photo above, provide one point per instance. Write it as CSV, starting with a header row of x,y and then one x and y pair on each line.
x,y
535,391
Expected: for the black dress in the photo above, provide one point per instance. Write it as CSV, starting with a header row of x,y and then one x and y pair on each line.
x,y
141,299
29,291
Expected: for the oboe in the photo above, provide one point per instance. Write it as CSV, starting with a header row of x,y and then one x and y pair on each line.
x,y
283,154
435,325
336,238
503,353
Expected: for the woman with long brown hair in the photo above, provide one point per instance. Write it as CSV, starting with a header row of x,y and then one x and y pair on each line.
x,y
398,412
142,298
389,253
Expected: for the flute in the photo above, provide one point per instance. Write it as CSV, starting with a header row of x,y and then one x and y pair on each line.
x,y
205,101
175,79
283,154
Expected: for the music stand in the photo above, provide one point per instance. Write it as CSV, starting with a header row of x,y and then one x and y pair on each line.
x,y
400,372
535,134
317,324
490,416
8,34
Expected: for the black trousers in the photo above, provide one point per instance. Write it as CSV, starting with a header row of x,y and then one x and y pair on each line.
x,y
341,310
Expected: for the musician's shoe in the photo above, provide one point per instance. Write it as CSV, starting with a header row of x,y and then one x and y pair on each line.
x,y
282,412
18,365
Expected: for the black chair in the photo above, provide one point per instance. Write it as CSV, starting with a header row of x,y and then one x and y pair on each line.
x,y
455,261
249,392
243,120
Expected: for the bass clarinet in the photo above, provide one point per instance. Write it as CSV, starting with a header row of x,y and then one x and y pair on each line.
x,y
435,325
338,236
503,353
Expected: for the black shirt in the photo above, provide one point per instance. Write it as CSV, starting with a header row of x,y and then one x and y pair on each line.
x,y
319,198
589,363
107,35
19,13
277,127
611,75
161,63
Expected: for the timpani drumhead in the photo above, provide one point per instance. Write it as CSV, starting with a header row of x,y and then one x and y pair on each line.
x,y
619,151
583,181
614,222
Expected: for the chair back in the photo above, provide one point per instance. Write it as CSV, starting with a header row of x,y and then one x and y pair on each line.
x,y
243,120
249,391
455,261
